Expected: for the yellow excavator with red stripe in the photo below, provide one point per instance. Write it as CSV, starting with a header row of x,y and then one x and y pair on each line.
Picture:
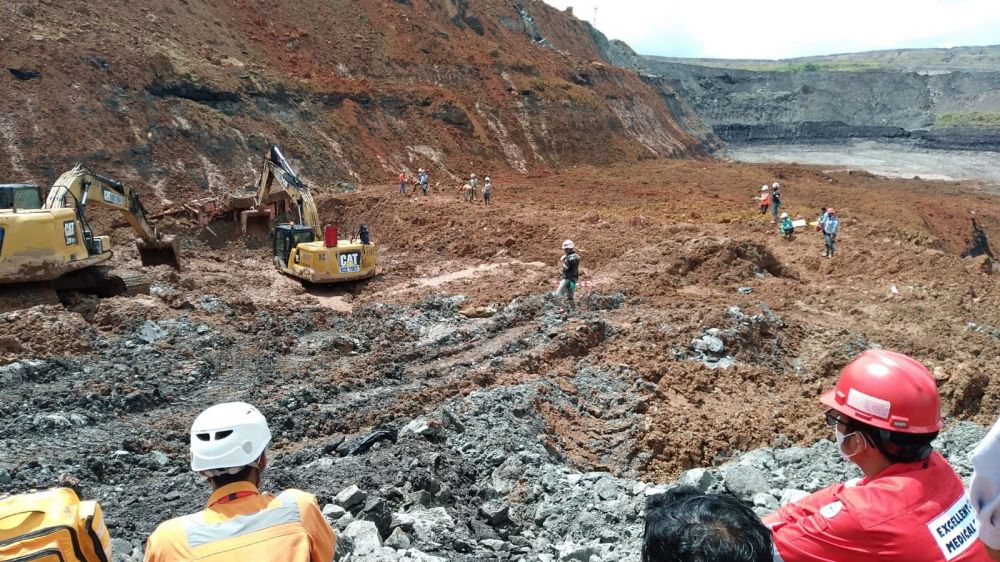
x,y
301,248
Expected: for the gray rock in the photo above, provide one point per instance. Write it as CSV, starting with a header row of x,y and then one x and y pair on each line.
x,y
350,497
708,343
121,550
345,520
151,332
5,477
765,500
697,477
333,511
745,480
422,426
496,513
160,458
495,545
570,551
398,539
791,495
364,537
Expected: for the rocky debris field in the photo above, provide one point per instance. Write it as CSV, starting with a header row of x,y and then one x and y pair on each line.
x,y
452,409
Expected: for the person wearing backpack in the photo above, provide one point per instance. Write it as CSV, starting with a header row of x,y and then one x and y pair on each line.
x,y
239,523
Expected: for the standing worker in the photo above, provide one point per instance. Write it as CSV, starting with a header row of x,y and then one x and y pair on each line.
x,y
473,182
424,179
764,199
487,190
570,262
228,444
830,228
402,183
910,506
775,201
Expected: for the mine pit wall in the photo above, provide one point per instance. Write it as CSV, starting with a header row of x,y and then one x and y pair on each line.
x,y
354,94
802,106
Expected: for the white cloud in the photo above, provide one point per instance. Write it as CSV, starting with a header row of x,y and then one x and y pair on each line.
x,y
769,29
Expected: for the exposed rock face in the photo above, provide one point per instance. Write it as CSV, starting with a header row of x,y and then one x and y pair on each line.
x,y
186,96
747,106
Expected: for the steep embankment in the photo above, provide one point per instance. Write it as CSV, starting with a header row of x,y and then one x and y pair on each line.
x,y
945,105
185,96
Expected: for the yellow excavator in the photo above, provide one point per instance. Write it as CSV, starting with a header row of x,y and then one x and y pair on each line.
x,y
301,248
48,246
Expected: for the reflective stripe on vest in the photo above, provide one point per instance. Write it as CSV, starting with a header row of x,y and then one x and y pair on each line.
x,y
200,533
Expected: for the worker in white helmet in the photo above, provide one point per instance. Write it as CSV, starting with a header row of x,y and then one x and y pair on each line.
x,y
764,200
228,447
570,262
473,183
487,190
787,228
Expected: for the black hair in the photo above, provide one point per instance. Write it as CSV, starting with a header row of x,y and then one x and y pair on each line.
x,y
226,479
686,525
896,446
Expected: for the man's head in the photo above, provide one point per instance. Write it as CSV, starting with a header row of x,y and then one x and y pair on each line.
x,y
228,443
685,525
886,409
569,247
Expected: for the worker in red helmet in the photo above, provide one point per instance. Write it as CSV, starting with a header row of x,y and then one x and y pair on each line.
x,y
910,506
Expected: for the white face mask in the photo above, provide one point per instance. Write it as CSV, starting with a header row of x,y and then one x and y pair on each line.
x,y
840,437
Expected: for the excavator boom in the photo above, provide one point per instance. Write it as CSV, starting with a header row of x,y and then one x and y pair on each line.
x,y
81,186
257,220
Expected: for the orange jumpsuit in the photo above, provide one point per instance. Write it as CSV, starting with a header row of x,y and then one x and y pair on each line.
x,y
241,524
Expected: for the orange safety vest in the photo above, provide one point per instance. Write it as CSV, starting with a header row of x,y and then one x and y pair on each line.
x,y
764,199
242,524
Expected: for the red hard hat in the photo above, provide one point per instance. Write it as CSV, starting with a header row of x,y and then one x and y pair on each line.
x,y
889,391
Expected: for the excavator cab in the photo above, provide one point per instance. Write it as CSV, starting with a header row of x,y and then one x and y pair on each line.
x,y
20,196
287,236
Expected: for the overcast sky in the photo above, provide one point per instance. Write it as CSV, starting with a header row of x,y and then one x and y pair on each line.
x,y
772,29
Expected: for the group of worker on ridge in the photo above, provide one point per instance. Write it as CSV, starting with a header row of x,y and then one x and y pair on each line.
x,y
910,505
828,224
469,189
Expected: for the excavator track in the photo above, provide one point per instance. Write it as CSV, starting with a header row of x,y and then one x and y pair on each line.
x,y
26,295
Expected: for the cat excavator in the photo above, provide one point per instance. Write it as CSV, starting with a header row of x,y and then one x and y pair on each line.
x,y
47,247
301,248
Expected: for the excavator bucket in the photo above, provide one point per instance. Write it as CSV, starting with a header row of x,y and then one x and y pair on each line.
x,y
162,252
256,223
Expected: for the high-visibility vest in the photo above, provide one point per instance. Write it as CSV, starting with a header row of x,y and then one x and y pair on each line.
x,y
53,525
288,528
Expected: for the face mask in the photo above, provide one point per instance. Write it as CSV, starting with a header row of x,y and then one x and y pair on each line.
x,y
840,437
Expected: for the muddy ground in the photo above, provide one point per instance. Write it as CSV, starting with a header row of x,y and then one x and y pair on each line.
x,y
700,335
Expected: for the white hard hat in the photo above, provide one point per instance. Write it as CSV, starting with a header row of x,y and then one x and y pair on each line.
x,y
487,178
776,185
568,245
784,215
763,188
230,435
472,175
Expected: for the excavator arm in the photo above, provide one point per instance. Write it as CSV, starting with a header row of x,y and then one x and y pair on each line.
x,y
277,168
81,186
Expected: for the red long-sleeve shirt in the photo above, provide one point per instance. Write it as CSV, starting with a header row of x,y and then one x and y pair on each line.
x,y
913,512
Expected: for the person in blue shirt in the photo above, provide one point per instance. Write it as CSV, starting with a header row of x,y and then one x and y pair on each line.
x,y
830,228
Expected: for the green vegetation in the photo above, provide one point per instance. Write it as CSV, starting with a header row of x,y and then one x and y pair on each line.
x,y
986,120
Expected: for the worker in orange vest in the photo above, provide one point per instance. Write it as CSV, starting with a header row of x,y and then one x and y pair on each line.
x,y
764,200
228,444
